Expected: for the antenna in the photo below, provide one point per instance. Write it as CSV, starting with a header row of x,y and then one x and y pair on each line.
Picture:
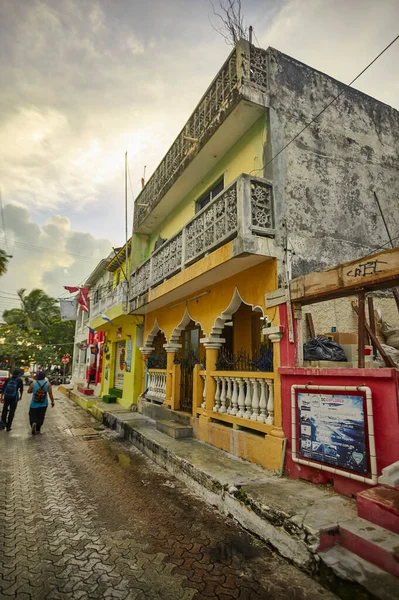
x,y
143,178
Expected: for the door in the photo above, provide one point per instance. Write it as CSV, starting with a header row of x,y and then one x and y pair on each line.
x,y
188,361
119,365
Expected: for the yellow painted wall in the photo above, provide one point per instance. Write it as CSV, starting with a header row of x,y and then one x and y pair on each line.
x,y
132,380
245,156
252,285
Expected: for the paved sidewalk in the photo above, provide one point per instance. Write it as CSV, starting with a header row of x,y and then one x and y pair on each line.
x,y
90,517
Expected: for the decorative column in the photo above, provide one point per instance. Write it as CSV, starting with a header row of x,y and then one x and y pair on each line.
x,y
171,350
212,346
277,430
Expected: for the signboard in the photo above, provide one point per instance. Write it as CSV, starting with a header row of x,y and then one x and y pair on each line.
x,y
129,356
65,359
119,365
332,430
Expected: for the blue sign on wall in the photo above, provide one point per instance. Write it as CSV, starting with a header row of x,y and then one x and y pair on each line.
x,y
332,430
129,356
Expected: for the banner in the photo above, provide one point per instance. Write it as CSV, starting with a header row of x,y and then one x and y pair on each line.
x,y
84,299
332,430
68,309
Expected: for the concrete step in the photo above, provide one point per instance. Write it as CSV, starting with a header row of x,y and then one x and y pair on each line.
x,y
354,569
174,429
371,542
380,505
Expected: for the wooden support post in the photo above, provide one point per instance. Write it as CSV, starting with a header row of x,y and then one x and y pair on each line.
x,y
396,296
370,304
387,359
361,330
309,323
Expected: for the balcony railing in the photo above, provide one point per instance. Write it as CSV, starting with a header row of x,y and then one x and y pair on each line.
x,y
156,385
109,298
245,207
245,65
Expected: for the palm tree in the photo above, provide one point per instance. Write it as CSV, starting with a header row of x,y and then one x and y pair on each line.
x,y
3,262
37,309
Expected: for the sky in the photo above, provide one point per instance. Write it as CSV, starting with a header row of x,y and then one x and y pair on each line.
x,y
82,81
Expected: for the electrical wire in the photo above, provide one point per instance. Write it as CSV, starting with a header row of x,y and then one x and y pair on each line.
x,y
49,251
325,108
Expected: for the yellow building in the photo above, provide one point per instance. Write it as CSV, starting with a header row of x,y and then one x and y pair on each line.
x,y
203,259
121,364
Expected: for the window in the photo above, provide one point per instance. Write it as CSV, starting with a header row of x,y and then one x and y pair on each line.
x,y
213,191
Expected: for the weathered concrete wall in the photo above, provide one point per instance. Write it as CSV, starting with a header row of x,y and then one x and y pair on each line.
x,y
324,181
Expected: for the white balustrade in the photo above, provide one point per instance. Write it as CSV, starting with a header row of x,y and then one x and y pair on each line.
x,y
203,405
156,386
250,397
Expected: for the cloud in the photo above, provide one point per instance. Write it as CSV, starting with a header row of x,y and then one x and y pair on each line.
x,y
48,256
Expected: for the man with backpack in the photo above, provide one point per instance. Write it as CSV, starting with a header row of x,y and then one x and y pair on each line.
x,y
10,395
40,389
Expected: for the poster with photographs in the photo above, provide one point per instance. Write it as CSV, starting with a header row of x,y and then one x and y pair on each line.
x,y
332,430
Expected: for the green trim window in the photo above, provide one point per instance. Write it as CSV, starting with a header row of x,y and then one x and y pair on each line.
x,y
210,193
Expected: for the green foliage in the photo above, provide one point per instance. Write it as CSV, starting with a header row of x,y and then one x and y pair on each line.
x,y
3,262
34,332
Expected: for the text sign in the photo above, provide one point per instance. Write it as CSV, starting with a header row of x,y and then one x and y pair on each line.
x,y
65,360
332,430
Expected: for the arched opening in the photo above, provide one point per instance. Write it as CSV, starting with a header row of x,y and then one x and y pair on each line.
x,y
190,354
157,358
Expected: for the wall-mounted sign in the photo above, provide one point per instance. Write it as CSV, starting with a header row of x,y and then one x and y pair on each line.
x,y
118,333
119,365
331,430
129,356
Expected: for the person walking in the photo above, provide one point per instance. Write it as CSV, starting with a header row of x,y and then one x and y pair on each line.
x,y
40,389
11,394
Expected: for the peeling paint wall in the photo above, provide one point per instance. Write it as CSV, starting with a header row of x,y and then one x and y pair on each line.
x,y
324,181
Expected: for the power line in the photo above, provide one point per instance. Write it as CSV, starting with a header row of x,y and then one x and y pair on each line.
x,y
325,108
49,251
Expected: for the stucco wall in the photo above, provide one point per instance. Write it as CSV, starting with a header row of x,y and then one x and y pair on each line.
x,y
324,181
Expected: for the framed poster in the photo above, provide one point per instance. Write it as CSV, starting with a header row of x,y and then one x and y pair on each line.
x,y
332,429
119,365
129,356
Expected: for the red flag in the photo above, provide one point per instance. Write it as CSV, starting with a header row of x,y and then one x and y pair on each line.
x,y
83,299
70,289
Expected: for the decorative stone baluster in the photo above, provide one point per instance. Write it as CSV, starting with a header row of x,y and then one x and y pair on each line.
x,y
228,394
203,405
234,398
222,408
255,401
270,404
241,398
248,399
217,395
262,402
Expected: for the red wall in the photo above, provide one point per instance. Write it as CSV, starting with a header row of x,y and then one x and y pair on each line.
x,y
384,384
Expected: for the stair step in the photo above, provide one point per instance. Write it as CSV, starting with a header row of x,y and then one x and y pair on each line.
x,y
353,568
174,429
372,542
380,505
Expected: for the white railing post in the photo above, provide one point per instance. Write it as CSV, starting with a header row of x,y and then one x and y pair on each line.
x,y
222,408
241,398
248,399
217,395
228,394
270,404
234,398
203,405
255,401
262,401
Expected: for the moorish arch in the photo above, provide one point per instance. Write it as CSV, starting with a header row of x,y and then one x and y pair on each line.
x,y
148,344
175,336
227,314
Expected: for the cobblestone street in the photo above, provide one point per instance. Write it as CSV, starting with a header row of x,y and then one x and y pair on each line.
x,y
89,517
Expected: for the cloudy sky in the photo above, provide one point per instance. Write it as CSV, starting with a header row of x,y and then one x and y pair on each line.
x,y
84,80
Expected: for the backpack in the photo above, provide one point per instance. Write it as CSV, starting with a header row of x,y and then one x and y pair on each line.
x,y
11,389
40,394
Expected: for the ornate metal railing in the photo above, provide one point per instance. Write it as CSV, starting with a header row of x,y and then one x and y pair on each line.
x,y
246,205
157,360
245,65
242,361
110,297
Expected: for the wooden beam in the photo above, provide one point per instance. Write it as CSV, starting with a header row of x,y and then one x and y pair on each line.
x,y
396,296
387,359
370,304
361,330
275,298
377,271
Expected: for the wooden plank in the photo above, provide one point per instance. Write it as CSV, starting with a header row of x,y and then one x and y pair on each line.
x,y
361,330
275,298
370,272
387,359
309,323
370,303
396,296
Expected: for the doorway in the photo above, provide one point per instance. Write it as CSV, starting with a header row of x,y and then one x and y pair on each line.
x,y
189,357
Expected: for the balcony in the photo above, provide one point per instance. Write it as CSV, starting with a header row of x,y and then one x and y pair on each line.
x,y
242,212
109,298
236,98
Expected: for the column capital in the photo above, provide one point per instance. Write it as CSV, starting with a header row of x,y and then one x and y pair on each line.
x,y
274,333
147,350
275,337
172,347
212,343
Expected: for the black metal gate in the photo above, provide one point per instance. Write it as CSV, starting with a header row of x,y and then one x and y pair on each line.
x,y
187,364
